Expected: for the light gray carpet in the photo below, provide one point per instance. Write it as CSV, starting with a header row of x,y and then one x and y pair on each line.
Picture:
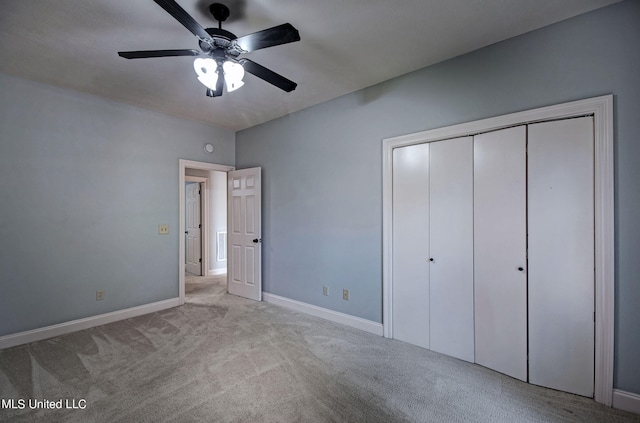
x,y
205,290
221,358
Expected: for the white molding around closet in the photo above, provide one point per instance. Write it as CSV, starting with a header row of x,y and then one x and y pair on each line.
x,y
602,110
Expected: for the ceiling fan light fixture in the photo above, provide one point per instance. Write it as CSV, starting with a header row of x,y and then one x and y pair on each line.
x,y
233,74
206,71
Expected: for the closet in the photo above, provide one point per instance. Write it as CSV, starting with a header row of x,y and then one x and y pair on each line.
x,y
493,250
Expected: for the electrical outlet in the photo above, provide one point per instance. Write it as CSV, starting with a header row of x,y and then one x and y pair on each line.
x,y
163,229
325,290
345,294
99,295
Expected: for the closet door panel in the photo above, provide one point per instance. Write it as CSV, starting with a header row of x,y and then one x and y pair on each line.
x,y
500,251
410,296
561,255
451,247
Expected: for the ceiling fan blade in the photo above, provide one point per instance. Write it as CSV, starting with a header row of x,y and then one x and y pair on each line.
x,y
281,34
143,54
184,18
268,75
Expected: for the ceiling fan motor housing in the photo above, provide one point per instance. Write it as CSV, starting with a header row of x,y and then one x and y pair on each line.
x,y
220,38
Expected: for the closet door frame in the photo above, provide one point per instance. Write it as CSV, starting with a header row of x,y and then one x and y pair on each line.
x,y
601,108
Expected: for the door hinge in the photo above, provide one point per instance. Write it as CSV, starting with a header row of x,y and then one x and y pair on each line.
x,y
594,317
200,226
200,260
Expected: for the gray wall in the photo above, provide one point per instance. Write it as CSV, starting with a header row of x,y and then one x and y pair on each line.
x,y
322,175
84,183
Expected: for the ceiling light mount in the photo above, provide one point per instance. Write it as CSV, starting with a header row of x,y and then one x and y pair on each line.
x,y
220,13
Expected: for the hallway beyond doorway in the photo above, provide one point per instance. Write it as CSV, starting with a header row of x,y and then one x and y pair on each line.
x,y
204,290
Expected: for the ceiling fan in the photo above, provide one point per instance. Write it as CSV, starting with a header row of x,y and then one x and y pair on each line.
x,y
218,62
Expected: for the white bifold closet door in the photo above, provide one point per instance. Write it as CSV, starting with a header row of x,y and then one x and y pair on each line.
x,y
451,247
433,246
493,251
410,295
561,255
500,251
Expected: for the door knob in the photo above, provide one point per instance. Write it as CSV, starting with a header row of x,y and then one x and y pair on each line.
x,y
255,241
521,268
431,259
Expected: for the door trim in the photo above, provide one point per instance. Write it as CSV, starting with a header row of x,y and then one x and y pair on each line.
x,y
602,110
183,165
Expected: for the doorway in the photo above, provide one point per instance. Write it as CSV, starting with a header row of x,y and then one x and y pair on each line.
x,y
212,180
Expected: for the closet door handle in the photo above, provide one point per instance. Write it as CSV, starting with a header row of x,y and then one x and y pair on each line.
x,y
521,268
431,259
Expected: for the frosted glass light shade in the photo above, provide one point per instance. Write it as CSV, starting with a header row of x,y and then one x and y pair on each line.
x,y
233,74
206,71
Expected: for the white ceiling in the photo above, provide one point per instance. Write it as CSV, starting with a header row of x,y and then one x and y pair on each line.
x,y
346,45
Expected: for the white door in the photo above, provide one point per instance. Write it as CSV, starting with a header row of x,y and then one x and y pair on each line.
x,y
451,247
193,230
410,296
561,255
500,251
244,235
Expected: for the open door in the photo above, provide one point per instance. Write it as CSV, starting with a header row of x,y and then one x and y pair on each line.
x,y
244,270
193,232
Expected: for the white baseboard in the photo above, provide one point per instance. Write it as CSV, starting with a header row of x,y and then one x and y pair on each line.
x,y
626,401
213,272
20,338
325,313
